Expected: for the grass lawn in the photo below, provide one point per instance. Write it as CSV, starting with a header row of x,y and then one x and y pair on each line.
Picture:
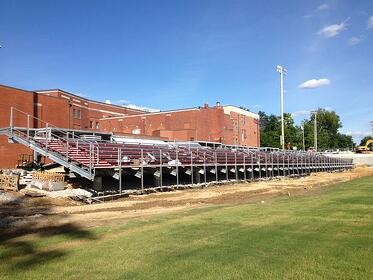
x,y
325,234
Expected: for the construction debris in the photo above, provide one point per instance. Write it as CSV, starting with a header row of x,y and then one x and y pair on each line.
x,y
9,182
25,178
48,176
8,198
32,191
48,185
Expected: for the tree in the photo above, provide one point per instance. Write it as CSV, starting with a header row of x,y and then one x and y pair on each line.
x,y
345,141
328,137
364,140
292,132
270,130
270,127
328,124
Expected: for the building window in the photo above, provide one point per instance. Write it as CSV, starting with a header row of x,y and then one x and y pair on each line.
x,y
77,114
97,125
90,124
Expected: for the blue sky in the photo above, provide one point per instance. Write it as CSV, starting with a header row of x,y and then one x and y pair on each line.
x,y
175,54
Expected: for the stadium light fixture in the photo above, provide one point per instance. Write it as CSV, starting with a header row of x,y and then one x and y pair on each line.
x,y
281,69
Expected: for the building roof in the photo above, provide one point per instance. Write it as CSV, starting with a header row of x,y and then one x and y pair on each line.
x,y
232,108
227,109
86,99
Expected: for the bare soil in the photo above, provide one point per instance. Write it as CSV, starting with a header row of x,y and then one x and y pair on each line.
x,y
32,213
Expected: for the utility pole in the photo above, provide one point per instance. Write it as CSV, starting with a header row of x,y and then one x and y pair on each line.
x,y
315,130
282,72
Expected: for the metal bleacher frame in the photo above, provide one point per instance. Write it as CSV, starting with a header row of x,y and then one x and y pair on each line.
x,y
90,153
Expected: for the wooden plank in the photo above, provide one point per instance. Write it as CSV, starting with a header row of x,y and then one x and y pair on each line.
x,y
9,182
48,176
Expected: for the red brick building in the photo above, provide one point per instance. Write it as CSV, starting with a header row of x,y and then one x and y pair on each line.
x,y
57,107
225,124
80,113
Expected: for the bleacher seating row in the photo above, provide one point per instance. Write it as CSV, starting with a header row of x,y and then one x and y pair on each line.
x,y
111,154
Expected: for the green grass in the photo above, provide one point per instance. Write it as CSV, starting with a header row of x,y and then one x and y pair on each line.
x,y
322,235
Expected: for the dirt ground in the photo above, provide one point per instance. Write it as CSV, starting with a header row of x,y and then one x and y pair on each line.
x,y
35,213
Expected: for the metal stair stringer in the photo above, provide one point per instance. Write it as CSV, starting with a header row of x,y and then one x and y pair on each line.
x,y
60,160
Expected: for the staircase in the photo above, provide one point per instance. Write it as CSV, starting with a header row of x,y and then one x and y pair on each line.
x,y
57,149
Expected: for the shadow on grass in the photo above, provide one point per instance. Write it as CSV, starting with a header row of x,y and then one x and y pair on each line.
x,y
26,231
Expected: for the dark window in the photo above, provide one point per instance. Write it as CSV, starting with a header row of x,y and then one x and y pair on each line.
x,y
77,114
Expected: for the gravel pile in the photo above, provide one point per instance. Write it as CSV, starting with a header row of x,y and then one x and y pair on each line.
x,y
6,197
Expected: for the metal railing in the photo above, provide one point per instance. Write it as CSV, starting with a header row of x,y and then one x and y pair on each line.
x,y
244,163
45,133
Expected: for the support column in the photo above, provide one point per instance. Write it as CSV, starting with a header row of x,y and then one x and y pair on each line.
x,y
120,170
142,171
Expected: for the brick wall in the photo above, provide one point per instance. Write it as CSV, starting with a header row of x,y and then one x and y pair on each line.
x,y
24,101
198,124
65,110
84,114
55,107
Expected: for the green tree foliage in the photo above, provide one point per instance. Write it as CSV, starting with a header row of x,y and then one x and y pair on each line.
x,y
364,140
345,141
328,124
293,136
270,130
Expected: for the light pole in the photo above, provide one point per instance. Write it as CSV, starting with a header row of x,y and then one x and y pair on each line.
x,y
282,72
315,130
302,127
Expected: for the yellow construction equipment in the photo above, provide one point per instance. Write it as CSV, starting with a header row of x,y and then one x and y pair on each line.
x,y
365,149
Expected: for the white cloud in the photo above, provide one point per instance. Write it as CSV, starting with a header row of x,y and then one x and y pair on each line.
x,y
323,7
370,23
333,30
125,103
354,41
308,112
81,94
300,113
359,133
122,101
314,83
107,101
143,108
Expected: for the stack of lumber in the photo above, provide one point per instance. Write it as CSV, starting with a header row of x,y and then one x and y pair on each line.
x,y
48,176
9,182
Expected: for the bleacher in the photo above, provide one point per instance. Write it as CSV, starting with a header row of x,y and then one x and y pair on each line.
x,y
91,154
100,154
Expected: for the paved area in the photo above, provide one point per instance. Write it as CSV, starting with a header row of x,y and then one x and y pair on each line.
x,y
359,159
